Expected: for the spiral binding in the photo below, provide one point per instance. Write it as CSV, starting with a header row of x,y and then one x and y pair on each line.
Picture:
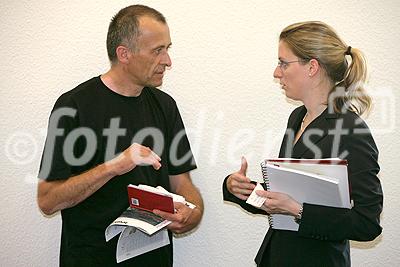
x,y
264,172
271,221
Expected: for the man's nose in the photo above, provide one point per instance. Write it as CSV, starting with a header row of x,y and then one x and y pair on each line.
x,y
166,60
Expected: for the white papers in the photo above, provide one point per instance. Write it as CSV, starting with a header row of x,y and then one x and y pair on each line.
x,y
146,221
334,169
162,190
141,230
322,182
133,242
254,199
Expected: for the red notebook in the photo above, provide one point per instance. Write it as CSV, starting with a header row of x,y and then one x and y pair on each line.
x,y
141,198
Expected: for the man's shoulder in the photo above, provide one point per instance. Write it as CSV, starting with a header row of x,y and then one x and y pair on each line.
x,y
85,90
162,97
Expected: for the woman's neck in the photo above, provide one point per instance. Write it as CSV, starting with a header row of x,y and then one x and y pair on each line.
x,y
316,100
313,111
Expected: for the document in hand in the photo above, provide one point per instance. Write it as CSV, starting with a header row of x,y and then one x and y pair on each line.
x,y
149,198
139,228
140,231
314,181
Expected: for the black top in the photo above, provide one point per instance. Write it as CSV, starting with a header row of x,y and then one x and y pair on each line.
x,y
322,239
97,124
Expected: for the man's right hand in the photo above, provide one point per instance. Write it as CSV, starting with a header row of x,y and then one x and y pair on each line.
x,y
238,184
133,156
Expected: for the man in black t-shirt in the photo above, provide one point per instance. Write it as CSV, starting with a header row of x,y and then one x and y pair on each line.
x,y
113,130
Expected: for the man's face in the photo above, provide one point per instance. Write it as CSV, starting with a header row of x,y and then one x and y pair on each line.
x,y
149,61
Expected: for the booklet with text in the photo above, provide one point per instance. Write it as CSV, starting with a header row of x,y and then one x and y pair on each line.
x,y
140,229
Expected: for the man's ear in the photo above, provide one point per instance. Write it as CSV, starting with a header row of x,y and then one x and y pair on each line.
x,y
314,67
122,54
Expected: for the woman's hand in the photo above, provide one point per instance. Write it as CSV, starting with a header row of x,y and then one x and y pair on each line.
x,y
238,184
279,203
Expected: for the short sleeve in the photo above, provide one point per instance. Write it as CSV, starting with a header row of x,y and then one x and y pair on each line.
x,y
62,121
180,156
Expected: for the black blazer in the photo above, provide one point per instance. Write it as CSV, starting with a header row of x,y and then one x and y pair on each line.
x,y
324,232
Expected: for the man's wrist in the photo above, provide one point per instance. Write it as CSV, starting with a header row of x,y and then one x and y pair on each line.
x,y
197,214
198,210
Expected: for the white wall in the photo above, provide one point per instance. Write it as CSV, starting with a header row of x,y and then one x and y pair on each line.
x,y
224,53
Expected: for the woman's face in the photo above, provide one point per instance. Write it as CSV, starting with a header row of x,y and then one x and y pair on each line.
x,y
292,73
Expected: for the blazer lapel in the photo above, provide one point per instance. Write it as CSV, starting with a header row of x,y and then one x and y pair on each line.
x,y
286,150
316,131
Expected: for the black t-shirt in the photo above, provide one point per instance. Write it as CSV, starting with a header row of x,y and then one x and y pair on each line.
x,y
90,125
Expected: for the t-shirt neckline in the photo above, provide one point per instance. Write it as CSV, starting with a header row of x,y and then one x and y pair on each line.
x,y
128,98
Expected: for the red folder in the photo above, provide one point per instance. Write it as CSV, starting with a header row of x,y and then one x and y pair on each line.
x,y
329,161
146,200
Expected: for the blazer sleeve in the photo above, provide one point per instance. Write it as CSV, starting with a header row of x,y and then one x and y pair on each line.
x,y
361,222
228,196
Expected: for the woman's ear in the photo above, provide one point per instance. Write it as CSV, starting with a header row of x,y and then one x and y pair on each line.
x,y
313,67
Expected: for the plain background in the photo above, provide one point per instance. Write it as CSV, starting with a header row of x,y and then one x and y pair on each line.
x,y
224,54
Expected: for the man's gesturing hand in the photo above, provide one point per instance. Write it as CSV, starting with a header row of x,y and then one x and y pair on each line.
x,y
135,155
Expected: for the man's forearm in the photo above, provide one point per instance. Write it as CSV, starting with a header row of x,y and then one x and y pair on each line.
x,y
192,195
182,185
54,196
57,195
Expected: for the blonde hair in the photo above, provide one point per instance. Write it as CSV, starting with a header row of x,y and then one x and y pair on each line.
x,y
317,40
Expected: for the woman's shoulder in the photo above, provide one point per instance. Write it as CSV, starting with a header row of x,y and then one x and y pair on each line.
x,y
356,134
352,120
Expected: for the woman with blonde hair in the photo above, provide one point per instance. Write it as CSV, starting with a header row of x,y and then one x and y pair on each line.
x,y
317,68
